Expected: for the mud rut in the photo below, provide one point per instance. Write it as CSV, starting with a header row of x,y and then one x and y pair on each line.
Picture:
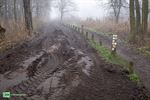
x,y
67,68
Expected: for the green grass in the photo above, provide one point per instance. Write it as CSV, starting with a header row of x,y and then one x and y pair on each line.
x,y
145,50
106,54
134,77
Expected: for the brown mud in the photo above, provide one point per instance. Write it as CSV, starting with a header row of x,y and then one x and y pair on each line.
x,y
64,67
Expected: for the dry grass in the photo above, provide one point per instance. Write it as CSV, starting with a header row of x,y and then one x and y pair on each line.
x,y
39,22
122,29
15,33
108,26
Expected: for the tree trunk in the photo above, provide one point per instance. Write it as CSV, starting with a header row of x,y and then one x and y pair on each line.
x,y
61,15
10,10
116,6
6,10
119,9
138,17
144,17
15,11
1,13
118,16
37,9
28,15
132,22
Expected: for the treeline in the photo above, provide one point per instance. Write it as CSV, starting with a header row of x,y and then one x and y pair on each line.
x,y
26,10
138,16
138,20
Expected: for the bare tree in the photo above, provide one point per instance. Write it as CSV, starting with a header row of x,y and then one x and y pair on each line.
x,y
138,17
15,10
28,15
1,5
116,6
65,6
37,7
41,8
138,27
144,16
132,21
2,30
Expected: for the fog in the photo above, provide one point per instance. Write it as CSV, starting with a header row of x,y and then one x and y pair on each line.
x,y
84,9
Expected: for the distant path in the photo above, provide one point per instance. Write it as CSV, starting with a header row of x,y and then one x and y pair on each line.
x,y
142,63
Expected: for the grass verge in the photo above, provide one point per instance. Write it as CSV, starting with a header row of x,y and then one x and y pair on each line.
x,y
106,54
145,50
134,77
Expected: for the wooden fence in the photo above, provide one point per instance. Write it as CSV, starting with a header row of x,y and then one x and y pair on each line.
x,y
91,36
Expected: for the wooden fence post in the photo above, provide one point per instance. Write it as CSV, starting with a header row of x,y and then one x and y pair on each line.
x,y
82,31
100,42
75,28
114,44
72,26
87,35
93,37
78,29
131,64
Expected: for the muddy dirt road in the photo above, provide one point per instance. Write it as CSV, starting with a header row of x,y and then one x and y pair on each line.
x,y
60,65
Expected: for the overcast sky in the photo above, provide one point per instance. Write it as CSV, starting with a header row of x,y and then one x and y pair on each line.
x,y
86,8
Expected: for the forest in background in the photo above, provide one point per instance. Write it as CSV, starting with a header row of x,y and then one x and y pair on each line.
x,y
21,17
126,18
129,19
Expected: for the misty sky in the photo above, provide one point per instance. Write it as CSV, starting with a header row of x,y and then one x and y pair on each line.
x,y
85,8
